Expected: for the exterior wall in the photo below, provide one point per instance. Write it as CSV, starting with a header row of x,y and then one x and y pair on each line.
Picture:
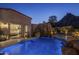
x,y
33,27
11,16
42,29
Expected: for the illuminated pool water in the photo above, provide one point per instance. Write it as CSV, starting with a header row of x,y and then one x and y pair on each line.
x,y
37,46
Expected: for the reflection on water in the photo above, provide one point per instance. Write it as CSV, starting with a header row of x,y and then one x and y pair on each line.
x,y
38,46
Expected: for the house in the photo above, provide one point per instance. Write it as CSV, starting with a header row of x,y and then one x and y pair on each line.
x,y
14,24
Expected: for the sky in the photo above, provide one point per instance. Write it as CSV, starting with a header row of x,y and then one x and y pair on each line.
x,y
40,12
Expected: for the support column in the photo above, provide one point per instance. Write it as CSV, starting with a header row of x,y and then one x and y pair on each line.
x,y
22,31
29,30
8,30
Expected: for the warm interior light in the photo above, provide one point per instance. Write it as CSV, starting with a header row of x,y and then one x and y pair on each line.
x,y
52,32
14,28
3,25
76,33
26,28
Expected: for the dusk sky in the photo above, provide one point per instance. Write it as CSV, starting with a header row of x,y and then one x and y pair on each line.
x,y
41,12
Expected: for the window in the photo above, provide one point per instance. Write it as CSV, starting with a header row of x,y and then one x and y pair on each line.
x,y
15,30
3,25
4,30
26,28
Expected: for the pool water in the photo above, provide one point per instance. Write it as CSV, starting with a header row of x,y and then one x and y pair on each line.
x,y
36,46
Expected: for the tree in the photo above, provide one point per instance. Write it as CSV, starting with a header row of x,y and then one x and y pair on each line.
x,y
52,20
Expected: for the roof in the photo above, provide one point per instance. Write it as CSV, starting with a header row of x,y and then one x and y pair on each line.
x,y
15,11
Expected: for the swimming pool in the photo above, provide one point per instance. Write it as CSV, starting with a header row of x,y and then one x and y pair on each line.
x,y
36,46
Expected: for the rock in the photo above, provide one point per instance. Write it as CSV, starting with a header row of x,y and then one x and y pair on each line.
x,y
72,48
69,51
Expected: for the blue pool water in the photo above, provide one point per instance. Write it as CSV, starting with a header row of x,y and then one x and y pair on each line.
x,y
37,46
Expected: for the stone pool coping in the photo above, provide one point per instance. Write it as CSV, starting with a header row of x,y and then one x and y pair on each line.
x,y
10,42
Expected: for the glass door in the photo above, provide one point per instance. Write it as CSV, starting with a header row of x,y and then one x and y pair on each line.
x,y
15,31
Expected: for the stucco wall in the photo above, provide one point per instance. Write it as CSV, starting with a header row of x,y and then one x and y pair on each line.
x,y
15,17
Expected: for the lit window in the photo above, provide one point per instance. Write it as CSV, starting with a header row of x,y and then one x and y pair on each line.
x,y
26,28
3,25
14,28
